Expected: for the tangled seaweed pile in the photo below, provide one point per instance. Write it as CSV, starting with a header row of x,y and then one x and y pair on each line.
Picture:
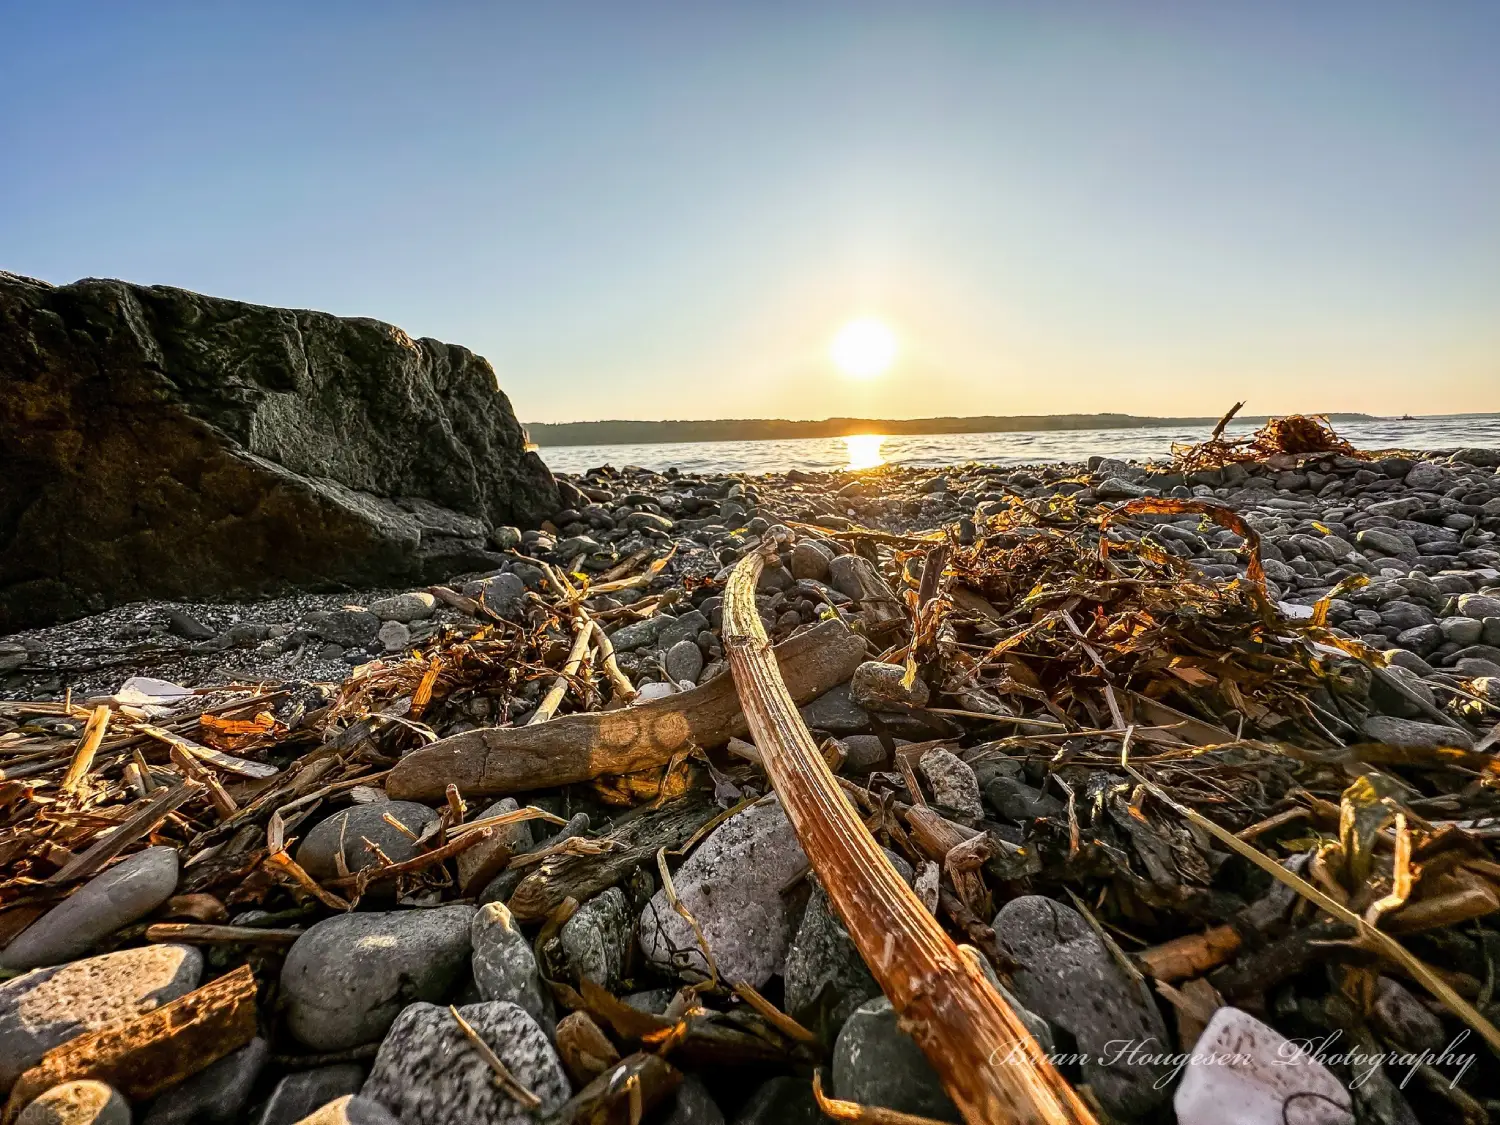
x,y
1293,436
1056,717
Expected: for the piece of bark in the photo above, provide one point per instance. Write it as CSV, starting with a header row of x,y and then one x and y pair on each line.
x,y
143,1056
1190,955
633,842
498,761
585,1051
946,1004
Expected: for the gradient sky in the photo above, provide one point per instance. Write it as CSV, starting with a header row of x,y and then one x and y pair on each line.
x,y
665,210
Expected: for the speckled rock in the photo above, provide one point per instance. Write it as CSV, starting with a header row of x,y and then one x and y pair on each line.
x,y
352,827
880,687
427,1072
415,606
954,787
305,1091
348,977
505,967
47,1007
684,661
1069,978
596,941
216,1094
128,891
826,979
77,1103
393,636
732,886
876,1063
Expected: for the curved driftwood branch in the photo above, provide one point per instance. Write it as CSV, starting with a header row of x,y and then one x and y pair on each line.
x,y
990,1065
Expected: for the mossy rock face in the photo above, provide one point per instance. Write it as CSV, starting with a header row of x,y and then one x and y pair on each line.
x,y
158,443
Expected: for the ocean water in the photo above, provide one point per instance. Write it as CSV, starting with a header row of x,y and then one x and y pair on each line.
x,y
1024,447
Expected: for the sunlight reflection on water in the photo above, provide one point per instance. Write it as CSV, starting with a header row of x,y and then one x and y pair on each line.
x,y
864,450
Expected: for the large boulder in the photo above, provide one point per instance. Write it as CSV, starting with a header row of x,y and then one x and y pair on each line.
x,y
157,443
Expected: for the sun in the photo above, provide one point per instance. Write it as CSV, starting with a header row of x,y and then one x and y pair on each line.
x,y
863,348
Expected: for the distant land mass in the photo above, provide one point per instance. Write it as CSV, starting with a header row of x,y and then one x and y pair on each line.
x,y
780,429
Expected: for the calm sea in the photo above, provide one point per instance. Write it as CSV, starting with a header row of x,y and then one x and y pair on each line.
x,y
1020,448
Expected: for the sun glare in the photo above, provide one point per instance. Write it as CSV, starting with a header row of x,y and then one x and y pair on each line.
x,y
863,348
864,450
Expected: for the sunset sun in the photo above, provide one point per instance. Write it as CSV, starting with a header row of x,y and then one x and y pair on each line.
x,y
863,348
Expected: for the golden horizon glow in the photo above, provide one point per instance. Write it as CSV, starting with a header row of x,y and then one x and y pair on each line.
x,y
864,450
863,348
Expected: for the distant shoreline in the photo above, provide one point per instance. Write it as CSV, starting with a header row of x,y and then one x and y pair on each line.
x,y
612,432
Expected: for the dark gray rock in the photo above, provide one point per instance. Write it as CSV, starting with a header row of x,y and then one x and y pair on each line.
x,y
84,1102
835,712
237,450
505,966
810,559
781,1101
692,1104
481,863
129,890
1407,732
1400,1016
346,979
307,1091
1017,801
732,885
596,941
1068,977
427,1073
684,661
876,1063
352,628
825,977
47,1007
216,1094
685,627
350,828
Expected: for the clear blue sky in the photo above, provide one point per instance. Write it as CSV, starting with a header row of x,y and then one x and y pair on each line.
x,y
666,209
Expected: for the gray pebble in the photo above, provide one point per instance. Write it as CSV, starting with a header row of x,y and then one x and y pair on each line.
x,y
782,1101
428,1073
1409,733
216,1094
1068,977
306,1091
684,661
596,941
351,628
954,786
880,687
350,1110
394,636
732,886
505,966
346,979
47,1007
876,1063
126,892
351,827
405,608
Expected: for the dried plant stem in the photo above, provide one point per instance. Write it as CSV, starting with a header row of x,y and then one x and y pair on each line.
x,y
506,1079
559,688
88,746
966,1029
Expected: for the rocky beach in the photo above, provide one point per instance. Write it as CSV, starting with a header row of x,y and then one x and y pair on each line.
x,y
468,809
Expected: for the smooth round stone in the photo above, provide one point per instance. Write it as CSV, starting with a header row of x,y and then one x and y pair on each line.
x,y
354,825
350,1110
77,1103
393,636
47,1007
427,1071
684,661
125,893
415,606
348,977
216,1094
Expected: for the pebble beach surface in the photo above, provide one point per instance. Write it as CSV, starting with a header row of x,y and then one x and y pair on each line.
x,y
1424,528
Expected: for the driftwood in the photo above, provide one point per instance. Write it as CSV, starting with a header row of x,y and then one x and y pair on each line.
x,y
143,1056
500,760
632,843
988,1061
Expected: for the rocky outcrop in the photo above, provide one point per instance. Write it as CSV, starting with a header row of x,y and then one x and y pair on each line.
x,y
157,443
